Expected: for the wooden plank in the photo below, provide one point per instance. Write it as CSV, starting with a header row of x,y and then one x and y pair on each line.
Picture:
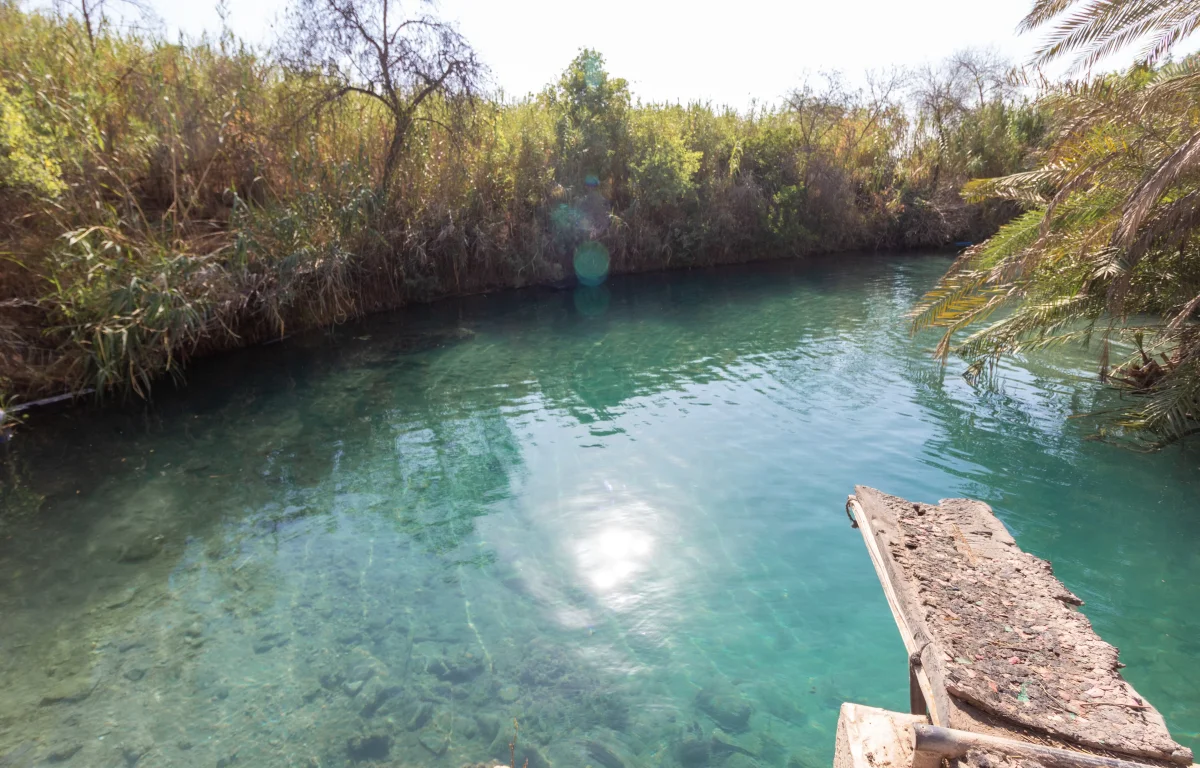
x,y
874,738
996,644
914,646
952,744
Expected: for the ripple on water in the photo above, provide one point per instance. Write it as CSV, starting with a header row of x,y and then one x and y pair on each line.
x,y
621,528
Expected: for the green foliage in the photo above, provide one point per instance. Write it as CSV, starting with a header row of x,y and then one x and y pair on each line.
x,y
26,160
1109,247
663,168
301,253
168,200
125,308
590,110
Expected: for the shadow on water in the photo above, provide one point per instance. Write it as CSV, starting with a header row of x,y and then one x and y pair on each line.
x,y
613,515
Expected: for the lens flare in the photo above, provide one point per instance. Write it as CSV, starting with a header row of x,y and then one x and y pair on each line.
x,y
591,300
591,263
565,220
593,72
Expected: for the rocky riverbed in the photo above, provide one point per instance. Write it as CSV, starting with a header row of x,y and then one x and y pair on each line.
x,y
619,532
289,638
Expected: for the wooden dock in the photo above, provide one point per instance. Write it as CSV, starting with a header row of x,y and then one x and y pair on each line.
x,y
1001,662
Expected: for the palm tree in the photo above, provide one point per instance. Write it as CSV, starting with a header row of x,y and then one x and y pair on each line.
x,y
1093,30
1109,243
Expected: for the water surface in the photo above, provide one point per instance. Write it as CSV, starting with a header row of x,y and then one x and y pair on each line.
x,y
613,515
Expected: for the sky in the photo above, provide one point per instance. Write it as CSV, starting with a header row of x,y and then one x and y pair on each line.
x,y
729,52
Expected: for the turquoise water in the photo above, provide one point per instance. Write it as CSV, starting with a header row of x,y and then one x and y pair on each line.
x,y
614,515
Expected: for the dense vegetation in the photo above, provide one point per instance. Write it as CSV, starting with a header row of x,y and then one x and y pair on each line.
x,y
1108,248
166,200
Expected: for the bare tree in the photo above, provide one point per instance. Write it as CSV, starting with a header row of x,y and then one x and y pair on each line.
x,y
986,70
375,49
877,106
850,114
94,14
817,110
940,94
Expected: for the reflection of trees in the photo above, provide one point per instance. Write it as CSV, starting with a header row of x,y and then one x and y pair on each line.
x,y
452,472
18,501
417,409
1019,425
1074,501
661,332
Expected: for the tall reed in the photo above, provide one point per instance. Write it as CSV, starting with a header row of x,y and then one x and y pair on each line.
x,y
167,200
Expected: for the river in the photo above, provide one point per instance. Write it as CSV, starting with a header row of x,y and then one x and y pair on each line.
x,y
613,515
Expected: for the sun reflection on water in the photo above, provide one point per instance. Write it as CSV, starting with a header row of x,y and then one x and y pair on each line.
x,y
614,557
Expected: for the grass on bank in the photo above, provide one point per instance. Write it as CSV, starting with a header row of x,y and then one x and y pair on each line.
x,y
165,200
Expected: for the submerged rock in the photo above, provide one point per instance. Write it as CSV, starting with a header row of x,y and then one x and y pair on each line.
x,y
63,751
461,726
139,546
434,740
10,758
489,726
122,599
727,710
312,692
422,715
69,691
377,693
331,678
455,670
780,702
353,637
801,761
604,754
693,752
135,746
770,749
726,744
270,641
369,747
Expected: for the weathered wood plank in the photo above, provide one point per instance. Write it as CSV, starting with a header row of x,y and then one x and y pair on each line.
x,y
875,738
996,635
952,744
938,713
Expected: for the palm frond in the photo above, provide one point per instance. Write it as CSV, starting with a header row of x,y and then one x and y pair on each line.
x,y
1043,12
1093,30
951,299
1029,187
1173,408
1030,324
1184,159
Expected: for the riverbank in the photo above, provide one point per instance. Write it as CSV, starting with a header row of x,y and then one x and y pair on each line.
x,y
168,201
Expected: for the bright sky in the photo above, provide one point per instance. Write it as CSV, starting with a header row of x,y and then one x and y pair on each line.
x,y
727,52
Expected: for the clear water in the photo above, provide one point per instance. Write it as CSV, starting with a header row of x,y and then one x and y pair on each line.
x,y
615,516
